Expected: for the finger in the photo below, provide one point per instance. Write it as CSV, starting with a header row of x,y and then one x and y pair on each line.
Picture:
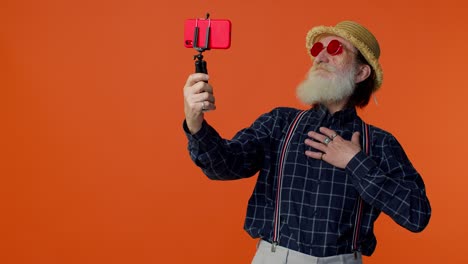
x,y
201,87
314,155
316,145
317,136
328,132
208,106
356,138
195,78
203,97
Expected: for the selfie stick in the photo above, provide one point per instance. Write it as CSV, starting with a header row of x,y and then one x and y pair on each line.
x,y
200,64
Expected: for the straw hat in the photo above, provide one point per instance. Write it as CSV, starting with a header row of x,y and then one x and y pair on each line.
x,y
359,36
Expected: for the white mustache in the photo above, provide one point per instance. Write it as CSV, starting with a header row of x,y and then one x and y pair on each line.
x,y
322,66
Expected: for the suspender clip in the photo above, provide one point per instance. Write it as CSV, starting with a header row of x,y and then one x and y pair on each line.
x,y
273,246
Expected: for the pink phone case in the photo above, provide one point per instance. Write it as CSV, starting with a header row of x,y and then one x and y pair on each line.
x,y
220,33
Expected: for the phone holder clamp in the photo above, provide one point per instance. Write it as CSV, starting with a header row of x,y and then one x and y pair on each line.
x,y
200,64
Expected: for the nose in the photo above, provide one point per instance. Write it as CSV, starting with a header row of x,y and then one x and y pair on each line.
x,y
321,57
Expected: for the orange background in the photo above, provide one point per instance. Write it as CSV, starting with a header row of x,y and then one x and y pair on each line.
x,y
94,167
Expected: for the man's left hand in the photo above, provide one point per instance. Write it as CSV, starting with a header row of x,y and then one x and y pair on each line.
x,y
332,147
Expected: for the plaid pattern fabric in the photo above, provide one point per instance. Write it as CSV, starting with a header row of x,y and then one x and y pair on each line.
x,y
318,200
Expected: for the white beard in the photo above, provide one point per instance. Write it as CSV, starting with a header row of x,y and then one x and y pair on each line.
x,y
319,89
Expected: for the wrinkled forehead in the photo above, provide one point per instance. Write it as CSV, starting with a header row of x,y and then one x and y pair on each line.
x,y
326,38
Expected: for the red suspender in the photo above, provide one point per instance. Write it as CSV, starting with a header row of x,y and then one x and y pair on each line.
x,y
357,222
282,160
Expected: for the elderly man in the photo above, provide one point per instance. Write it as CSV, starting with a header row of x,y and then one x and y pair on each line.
x,y
324,174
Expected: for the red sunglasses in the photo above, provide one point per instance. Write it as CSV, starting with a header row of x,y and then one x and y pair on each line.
x,y
334,48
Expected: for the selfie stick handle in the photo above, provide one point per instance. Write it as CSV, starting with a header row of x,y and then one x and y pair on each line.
x,y
200,64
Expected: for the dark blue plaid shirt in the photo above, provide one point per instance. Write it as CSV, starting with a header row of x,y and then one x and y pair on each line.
x,y
318,200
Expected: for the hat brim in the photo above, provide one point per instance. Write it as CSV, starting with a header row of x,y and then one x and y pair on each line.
x,y
314,33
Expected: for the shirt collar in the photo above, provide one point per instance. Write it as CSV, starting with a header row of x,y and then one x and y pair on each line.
x,y
345,115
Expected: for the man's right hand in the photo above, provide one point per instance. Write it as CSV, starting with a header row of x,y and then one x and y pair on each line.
x,y
198,98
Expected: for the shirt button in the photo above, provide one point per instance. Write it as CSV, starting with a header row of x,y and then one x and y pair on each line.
x,y
283,219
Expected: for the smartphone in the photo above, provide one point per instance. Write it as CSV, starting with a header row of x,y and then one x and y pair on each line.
x,y
219,33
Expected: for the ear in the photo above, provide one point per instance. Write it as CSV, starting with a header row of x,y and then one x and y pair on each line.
x,y
362,73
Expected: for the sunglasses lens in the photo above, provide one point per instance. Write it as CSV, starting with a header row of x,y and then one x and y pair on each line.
x,y
316,49
334,47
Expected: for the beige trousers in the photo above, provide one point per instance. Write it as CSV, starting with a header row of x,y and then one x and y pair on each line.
x,y
283,255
